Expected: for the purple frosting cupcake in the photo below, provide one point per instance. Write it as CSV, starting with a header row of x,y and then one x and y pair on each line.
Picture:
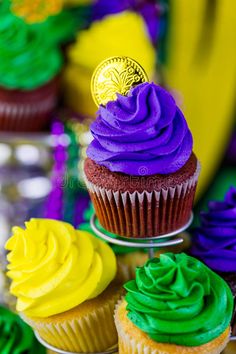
x,y
141,171
214,242
144,133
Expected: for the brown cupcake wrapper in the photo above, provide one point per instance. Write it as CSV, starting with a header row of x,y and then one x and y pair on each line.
x,y
145,214
27,110
93,332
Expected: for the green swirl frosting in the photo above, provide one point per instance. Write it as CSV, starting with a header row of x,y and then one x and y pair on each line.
x,y
177,299
16,337
27,59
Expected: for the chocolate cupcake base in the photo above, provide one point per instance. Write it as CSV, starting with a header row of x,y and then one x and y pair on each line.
x,y
141,207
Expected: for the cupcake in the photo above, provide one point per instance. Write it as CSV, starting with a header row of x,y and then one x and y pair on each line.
x,y
175,305
62,279
16,336
141,172
214,242
29,69
84,57
128,258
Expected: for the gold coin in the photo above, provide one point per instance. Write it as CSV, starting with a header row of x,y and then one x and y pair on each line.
x,y
115,75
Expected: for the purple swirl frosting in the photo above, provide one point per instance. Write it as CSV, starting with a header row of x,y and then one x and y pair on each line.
x,y
144,133
215,241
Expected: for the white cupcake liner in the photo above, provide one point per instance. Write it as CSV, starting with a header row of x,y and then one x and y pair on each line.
x,y
144,214
92,331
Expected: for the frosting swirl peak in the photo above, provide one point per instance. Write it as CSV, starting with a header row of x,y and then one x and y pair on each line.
x,y
177,299
214,242
144,133
54,267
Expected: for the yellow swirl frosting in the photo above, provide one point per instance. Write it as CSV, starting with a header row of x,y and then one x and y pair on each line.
x,y
54,267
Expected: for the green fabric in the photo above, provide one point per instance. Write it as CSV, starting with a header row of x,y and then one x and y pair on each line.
x,y
16,337
177,299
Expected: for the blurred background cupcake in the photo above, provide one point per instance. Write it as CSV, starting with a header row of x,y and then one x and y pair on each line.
x,y
110,37
29,72
214,241
31,63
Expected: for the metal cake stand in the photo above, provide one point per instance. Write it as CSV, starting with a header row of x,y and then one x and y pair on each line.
x,y
149,242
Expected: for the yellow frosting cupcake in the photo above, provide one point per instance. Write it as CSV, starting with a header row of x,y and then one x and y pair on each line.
x,y
62,280
119,34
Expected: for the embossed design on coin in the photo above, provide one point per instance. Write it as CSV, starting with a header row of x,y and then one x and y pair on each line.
x,y
115,75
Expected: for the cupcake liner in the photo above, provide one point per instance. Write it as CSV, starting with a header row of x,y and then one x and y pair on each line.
x,y
132,340
90,328
27,110
53,350
145,214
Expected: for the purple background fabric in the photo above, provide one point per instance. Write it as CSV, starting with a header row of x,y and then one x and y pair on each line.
x,y
144,133
215,241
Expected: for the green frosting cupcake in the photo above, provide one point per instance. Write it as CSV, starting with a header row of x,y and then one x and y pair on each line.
x,y
28,60
177,299
59,28
16,337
